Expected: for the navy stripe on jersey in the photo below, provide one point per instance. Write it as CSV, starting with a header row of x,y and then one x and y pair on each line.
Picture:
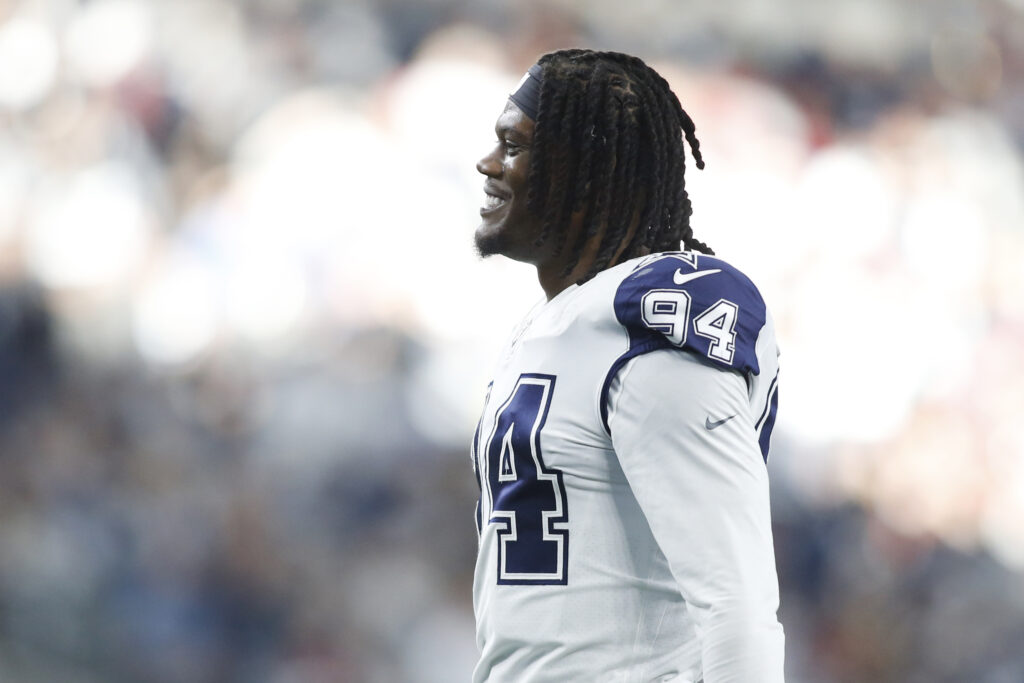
x,y
767,420
767,402
474,453
660,301
476,473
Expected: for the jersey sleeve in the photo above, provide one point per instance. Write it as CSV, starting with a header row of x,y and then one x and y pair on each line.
x,y
684,436
692,303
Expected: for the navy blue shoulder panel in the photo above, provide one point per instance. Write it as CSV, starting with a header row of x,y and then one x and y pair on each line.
x,y
692,302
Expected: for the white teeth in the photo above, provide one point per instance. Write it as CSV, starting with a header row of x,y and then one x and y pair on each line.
x,y
492,202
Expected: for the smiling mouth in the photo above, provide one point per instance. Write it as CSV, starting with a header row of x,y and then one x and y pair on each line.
x,y
492,203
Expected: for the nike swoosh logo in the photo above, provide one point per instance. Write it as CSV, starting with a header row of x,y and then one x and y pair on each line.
x,y
682,278
708,424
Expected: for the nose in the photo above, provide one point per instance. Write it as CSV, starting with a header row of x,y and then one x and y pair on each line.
x,y
490,166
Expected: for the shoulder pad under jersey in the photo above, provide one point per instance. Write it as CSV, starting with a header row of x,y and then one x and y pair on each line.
x,y
693,302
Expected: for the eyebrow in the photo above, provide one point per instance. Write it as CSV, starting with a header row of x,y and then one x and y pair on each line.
x,y
510,132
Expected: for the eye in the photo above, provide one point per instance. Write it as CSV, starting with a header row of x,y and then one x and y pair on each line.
x,y
513,148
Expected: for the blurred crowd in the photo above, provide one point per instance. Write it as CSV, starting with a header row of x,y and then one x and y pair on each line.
x,y
244,335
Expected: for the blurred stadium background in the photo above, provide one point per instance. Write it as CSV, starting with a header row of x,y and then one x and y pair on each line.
x,y
244,335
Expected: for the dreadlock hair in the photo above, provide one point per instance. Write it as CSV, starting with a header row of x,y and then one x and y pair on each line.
x,y
607,144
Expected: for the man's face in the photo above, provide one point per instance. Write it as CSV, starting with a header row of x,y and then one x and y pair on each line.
x,y
507,227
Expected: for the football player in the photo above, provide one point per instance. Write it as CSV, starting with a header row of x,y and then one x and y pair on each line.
x,y
624,523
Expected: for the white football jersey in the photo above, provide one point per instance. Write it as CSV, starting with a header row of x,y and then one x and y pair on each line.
x,y
623,517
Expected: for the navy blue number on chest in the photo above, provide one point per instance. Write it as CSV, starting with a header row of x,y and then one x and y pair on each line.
x,y
527,498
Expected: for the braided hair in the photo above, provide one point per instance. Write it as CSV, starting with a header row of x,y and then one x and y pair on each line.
x,y
607,144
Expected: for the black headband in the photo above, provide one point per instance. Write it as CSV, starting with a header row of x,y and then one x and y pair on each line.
x,y
527,95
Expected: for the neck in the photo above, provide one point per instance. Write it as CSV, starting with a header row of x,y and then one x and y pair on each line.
x,y
551,273
553,280
551,269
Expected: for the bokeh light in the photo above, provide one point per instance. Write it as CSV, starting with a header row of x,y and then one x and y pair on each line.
x,y
108,38
91,228
28,62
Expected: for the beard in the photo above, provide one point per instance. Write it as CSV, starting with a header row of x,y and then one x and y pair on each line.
x,y
514,235
488,244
